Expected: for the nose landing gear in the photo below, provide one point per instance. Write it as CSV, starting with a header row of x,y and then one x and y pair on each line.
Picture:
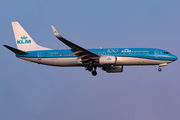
x,y
159,69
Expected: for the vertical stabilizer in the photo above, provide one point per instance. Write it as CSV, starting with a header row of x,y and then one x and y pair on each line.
x,y
23,39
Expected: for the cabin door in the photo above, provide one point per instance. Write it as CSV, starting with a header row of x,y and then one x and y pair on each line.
x,y
39,56
156,53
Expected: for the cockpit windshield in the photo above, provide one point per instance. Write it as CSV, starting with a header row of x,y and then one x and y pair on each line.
x,y
166,52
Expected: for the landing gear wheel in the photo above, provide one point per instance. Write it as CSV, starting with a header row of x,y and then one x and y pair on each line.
x,y
90,68
159,69
94,73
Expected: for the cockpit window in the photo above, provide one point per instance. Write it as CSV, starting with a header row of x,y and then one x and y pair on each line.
x,y
166,52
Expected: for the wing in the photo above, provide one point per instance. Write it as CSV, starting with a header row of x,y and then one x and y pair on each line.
x,y
84,54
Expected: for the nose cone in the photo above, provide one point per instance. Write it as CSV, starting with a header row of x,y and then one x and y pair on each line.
x,y
174,58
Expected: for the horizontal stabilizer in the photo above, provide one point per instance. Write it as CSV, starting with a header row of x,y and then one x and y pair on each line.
x,y
16,51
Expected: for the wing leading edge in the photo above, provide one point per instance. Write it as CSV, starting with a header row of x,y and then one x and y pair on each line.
x,y
82,53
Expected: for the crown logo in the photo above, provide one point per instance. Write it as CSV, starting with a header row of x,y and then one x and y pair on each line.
x,y
109,58
24,37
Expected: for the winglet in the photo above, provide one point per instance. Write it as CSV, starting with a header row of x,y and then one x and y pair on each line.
x,y
57,35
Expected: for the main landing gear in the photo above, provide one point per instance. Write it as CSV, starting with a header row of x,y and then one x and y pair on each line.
x,y
94,73
90,68
159,69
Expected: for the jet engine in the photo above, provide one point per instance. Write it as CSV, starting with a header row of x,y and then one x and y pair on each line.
x,y
113,69
107,60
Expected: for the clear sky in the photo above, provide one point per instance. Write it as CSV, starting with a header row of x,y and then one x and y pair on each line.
x,y
29,91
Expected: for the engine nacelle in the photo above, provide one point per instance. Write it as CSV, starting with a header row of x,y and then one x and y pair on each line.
x,y
107,60
113,69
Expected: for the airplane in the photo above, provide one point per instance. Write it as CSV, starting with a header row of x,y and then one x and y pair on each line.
x,y
110,60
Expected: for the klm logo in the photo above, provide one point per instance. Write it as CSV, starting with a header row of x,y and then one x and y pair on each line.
x,y
109,58
24,40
